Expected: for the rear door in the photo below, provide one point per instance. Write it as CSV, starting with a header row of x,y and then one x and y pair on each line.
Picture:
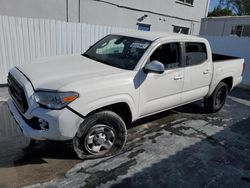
x,y
198,71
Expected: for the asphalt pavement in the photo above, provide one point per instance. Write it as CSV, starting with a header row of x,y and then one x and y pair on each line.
x,y
184,147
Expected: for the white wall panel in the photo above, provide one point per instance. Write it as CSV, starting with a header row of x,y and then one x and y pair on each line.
x,y
25,39
233,46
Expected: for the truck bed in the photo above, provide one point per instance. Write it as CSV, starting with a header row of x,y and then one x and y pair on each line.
x,y
224,67
220,57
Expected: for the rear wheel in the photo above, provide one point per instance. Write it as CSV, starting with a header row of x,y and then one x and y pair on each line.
x,y
217,100
101,134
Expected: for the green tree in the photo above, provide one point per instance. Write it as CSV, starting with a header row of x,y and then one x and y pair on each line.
x,y
240,7
218,11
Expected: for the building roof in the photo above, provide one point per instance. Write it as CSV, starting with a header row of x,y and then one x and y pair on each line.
x,y
227,17
152,36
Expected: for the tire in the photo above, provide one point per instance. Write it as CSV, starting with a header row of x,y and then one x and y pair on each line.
x,y
217,100
100,135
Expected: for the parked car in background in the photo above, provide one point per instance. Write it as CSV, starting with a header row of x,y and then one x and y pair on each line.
x,y
92,98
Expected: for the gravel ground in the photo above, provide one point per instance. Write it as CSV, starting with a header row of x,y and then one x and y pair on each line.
x,y
184,147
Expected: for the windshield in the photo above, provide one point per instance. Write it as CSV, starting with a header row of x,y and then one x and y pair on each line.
x,y
118,51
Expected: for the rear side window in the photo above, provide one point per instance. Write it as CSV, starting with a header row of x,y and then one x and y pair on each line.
x,y
196,53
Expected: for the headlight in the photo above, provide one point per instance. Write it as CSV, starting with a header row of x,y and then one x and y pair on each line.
x,y
55,100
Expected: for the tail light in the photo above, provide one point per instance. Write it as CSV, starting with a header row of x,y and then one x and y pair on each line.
x,y
243,68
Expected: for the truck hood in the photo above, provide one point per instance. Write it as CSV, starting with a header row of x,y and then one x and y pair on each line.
x,y
55,72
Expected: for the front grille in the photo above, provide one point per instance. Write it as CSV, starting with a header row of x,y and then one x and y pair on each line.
x,y
17,93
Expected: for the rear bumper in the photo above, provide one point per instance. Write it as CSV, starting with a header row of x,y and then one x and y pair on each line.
x,y
63,124
237,81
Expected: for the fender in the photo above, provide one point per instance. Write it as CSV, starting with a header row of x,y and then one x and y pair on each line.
x,y
85,109
218,79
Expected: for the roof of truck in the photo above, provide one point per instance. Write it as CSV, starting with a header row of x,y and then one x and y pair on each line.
x,y
152,36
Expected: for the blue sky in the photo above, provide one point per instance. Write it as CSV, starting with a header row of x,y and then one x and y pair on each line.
x,y
213,3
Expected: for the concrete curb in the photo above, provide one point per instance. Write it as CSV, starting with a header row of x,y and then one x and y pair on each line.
x,y
3,85
3,99
4,95
244,86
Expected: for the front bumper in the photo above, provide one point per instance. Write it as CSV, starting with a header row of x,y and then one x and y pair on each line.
x,y
63,124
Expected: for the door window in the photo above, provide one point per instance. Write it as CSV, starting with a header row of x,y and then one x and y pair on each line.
x,y
196,53
168,55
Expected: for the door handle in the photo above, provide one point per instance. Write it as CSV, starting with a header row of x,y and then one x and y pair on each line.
x,y
206,72
178,78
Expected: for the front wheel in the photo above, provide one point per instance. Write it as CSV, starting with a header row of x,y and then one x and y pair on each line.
x,y
101,134
217,100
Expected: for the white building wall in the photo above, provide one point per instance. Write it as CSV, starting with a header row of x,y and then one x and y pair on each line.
x,y
162,14
49,9
218,30
222,26
233,46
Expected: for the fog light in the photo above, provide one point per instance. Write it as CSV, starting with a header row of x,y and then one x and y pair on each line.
x,y
43,124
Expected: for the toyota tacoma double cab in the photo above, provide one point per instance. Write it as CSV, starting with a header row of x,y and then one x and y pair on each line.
x,y
92,98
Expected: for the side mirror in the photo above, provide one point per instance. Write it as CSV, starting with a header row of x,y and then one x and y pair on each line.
x,y
154,67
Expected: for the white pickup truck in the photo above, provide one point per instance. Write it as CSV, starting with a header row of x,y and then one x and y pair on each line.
x,y
91,98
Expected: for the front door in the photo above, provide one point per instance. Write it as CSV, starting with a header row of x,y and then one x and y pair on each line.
x,y
162,91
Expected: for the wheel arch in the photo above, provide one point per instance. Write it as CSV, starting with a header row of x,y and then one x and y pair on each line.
x,y
121,108
228,80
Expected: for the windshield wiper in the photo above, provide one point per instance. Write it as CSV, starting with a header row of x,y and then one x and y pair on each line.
x,y
93,58
102,61
85,55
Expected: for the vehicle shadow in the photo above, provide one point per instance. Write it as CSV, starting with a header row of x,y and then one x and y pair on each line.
x,y
36,151
192,108
16,150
